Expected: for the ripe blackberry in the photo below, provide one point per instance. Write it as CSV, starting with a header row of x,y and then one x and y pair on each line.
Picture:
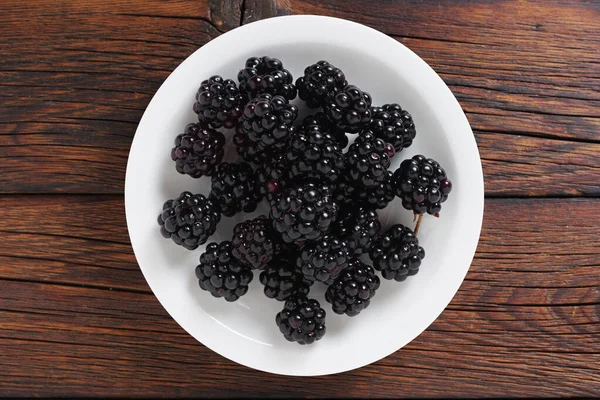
x,y
320,122
324,259
302,320
320,82
189,220
221,274
265,128
353,290
254,242
303,213
359,227
314,155
397,253
266,75
367,161
198,150
272,177
422,185
349,109
281,280
234,188
393,125
377,196
218,102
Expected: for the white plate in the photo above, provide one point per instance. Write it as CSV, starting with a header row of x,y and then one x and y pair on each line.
x,y
245,331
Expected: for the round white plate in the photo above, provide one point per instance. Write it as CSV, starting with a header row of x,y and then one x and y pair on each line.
x,y
245,331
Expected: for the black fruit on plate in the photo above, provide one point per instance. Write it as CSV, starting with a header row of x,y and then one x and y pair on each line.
x,y
359,227
320,122
349,109
198,150
320,82
272,177
397,253
324,259
393,125
218,102
377,196
368,160
353,290
302,320
266,75
233,188
281,280
189,220
254,242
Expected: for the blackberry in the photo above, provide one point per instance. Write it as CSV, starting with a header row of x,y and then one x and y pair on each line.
x,y
189,220
320,122
353,290
218,102
198,150
233,188
303,213
266,75
281,280
302,320
221,274
359,227
324,259
272,177
314,155
349,109
393,125
265,128
254,242
320,82
367,160
422,185
397,253
379,195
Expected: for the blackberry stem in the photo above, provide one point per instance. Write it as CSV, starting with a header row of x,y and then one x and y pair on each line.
x,y
418,224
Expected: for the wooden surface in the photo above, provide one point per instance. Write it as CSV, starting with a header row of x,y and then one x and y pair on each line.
x,y
77,317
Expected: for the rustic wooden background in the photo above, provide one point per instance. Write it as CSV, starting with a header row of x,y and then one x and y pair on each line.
x,y
76,316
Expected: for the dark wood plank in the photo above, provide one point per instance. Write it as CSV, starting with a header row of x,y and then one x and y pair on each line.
x,y
525,322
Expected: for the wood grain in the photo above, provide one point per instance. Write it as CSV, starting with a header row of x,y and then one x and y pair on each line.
x,y
526,319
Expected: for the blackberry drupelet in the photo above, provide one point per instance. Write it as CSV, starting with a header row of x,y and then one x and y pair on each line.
x,y
272,177
233,188
218,102
397,253
393,125
359,227
314,155
377,196
353,290
320,122
302,320
221,274
320,82
189,220
324,259
265,128
198,150
281,280
422,185
367,161
254,242
303,213
349,109
266,75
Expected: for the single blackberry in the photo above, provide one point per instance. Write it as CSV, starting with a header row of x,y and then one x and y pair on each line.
x,y
314,155
324,259
320,82
234,188
221,274
393,125
320,122
303,213
265,128
349,109
266,75
218,102
367,161
422,185
189,220
302,320
198,150
359,227
281,280
254,242
353,290
397,253
272,177
377,196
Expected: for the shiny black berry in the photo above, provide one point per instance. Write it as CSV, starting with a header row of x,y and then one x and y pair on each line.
x,y
324,259
221,274
218,102
349,109
422,185
320,122
393,125
233,188
320,82
397,253
281,280
272,177
189,220
254,242
359,227
377,196
198,150
266,75
302,320
353,290
367,161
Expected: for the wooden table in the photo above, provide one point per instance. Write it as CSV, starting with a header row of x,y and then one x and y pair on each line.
x,y
77,317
